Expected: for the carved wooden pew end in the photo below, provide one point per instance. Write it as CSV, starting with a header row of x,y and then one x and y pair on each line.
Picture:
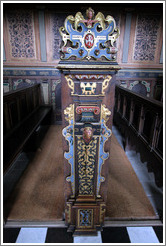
x,y
88,68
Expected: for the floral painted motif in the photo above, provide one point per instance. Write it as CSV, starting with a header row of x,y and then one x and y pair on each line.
x,y
146,37
21,31
57,20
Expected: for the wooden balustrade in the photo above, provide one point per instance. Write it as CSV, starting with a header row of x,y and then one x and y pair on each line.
x,y
140,120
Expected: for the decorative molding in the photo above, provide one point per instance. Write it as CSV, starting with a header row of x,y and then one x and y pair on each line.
x,y
33,72
81,109
28,71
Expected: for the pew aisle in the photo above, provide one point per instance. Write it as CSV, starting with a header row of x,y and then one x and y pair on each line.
x,y
42,208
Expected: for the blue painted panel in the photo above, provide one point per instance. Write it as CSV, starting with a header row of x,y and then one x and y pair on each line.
x,y
105,134
161,55
77,36
42,36
126,38
68,134
4,54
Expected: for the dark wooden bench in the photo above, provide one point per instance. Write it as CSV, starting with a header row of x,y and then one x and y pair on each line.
x,y
23,113
140,120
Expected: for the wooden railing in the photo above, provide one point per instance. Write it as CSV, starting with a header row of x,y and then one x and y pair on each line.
x,y
141,122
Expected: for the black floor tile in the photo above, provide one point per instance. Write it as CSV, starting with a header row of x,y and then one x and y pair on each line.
x,y
115,235
10,235
159,232
58,235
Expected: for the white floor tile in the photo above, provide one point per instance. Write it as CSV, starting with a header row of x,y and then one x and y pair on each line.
x,y
142,235
88,239
32,235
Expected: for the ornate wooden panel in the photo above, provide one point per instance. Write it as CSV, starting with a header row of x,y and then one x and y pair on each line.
x,y
21,35
146,35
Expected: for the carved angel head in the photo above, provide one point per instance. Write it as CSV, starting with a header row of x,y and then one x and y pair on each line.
x,y
90,13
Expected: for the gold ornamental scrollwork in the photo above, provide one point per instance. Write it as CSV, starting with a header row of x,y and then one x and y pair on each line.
x,y
106,83
105,113
70,84
68,133
69,112
86,165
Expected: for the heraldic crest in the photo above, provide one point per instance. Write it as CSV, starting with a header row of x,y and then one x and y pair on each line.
x,y
89,39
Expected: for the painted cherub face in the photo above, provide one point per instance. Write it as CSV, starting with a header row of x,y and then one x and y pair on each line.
x,y
90,14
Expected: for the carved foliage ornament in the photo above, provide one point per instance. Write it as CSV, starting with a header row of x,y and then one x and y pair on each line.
x,y
91,38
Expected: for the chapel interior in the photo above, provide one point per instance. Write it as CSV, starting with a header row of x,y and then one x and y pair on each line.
x,y
33,112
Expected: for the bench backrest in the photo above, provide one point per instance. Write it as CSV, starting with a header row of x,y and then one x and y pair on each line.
x,y
18,105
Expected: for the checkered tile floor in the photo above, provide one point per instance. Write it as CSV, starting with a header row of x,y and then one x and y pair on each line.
x,y
108,235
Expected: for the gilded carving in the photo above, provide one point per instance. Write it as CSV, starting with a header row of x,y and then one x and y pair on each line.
x,y
70,84
106,83
86,165
68,133
69,112
105,113
88,88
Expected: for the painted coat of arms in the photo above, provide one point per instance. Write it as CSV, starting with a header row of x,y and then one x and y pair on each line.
x,y
91,38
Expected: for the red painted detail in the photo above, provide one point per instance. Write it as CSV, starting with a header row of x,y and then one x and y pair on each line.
x,y
93,77
84,77
94,109
113,50
89,40
65,49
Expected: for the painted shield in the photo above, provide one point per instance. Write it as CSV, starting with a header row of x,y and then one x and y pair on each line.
x,y
89,40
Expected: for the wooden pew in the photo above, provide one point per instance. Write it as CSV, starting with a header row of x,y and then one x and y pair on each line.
x,y
23,112
140,120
